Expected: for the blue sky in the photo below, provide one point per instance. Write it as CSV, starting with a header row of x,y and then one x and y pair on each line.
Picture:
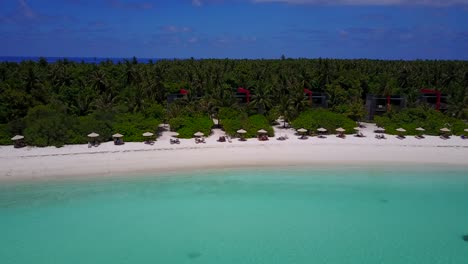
x,y
378,29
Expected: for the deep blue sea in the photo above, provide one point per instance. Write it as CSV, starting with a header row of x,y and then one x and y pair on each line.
x,y
328,216
75,59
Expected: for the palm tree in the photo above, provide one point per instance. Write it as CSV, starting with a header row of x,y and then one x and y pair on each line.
x,y
262,99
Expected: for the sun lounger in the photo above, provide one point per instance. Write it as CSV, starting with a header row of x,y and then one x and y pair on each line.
x,y
359,134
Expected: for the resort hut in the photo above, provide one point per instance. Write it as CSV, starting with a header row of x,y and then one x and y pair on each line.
x,y
241,133
420,133
445,133
401,133
340,131
92,140
118,139
302,131
149,139
18,141
262,135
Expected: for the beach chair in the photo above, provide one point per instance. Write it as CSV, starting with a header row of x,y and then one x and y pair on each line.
x,y
444,136
360,135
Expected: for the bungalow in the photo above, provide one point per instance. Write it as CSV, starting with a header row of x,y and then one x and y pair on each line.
x,y
243,95
182,94
316,99
379,105
434,98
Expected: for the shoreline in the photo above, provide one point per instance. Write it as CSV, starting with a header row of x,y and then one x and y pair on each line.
x,y
167,161
108,160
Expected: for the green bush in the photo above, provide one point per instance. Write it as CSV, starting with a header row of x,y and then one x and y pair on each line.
x,y
98,122
5,135
132,126
233,120
314,119
186,126
48,125
429,119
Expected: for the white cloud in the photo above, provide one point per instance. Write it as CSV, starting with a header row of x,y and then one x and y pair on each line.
x,y
370,2
176,29
197,2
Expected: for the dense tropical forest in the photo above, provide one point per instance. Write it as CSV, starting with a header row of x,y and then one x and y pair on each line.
x,y
60,103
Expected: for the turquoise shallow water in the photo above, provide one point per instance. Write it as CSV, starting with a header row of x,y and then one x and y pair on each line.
x,y
345,215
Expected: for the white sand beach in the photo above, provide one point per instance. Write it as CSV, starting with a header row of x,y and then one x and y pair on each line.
x,y
135,158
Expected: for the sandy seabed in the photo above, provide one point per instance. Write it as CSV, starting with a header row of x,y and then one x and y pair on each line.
x,y
73,161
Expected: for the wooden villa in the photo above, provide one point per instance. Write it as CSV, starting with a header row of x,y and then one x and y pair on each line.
x,y
316,99
379,105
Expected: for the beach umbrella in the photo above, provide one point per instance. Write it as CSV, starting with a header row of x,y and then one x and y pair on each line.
x,y
420,129
199,134
17,137
466,130
322,129
241,131
117,135
401,130
302,130
357,128
93,135
340,129
262,131
148,134
175,134
445,129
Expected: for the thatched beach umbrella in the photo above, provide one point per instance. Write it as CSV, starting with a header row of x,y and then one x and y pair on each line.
x,y
18,141
118,139
340,130
241,131
93,135
92,141
175,134
322,130
357,128
262,131
17,137
420,129
148,134
302,130
401,132
445,133
199,134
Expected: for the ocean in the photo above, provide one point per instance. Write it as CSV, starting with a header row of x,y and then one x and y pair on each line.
x,y
282,215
